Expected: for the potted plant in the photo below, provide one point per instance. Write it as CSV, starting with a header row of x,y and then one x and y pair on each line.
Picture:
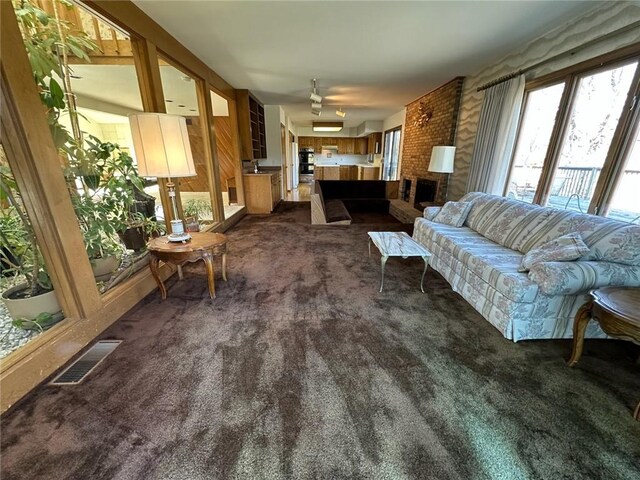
x,y
193,211
22,258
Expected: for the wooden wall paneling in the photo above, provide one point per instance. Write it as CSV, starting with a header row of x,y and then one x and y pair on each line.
x,y
35,164
244,125
146,60
225,145
210,149
128,16
235,135
198,183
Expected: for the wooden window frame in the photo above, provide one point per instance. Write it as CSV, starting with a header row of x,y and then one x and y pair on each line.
x,y
620,143
34,161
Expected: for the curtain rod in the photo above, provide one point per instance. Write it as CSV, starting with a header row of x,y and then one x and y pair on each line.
x,y
573,51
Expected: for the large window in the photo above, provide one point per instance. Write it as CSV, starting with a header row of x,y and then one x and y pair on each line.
x,y
568,152
391,153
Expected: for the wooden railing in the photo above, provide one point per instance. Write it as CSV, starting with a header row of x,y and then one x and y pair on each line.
x,y
114,45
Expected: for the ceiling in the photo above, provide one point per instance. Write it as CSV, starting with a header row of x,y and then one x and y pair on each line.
x,y
370,58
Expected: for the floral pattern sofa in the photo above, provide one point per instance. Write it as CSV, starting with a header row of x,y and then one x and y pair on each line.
x,y
480,260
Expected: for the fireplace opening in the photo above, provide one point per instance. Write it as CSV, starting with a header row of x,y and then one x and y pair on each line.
x,y
425,193
406,189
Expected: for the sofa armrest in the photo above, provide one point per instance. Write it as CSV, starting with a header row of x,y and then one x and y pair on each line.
x,y
318,214
431,212
570,278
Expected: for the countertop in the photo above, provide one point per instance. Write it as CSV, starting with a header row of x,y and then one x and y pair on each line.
x,y
368,165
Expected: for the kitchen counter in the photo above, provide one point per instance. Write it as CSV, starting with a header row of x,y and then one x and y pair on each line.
x,y
346,172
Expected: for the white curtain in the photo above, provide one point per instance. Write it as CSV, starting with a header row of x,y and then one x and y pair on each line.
x,y
496,136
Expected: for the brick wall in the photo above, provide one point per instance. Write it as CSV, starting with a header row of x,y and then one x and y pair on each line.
x,y
444,103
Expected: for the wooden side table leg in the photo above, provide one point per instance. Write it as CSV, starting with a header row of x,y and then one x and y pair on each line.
x,y
636,414
579,326
153,265
224,267
180,275
208,261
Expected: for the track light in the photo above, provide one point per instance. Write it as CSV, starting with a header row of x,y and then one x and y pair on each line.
x,y
316,106
316,112
340,113
315,97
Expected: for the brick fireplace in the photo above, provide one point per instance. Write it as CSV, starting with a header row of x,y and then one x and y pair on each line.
x,y
441,108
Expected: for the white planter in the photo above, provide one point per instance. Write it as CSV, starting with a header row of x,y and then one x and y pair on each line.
x,y
30,307
103,267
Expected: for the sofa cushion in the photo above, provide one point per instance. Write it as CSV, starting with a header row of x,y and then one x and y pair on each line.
x,y
608,240
430,212
335,211
493,263
562,278
562,249
453,213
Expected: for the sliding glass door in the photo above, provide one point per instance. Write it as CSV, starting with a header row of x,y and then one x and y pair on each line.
x,y
391,153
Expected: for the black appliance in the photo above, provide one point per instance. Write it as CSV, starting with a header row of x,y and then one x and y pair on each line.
x,y
307,161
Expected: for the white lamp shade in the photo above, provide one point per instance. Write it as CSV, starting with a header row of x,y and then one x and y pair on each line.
x,y
161,143
442,159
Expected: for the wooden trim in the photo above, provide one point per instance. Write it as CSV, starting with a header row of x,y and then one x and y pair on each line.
x,y
34,161
129,17
33,363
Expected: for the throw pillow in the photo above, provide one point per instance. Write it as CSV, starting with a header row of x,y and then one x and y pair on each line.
x,y
431,212
563,249
453,213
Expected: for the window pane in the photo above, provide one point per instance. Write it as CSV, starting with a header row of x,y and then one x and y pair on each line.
x,y
597,107
624,204
88,94
181,97
533,141
29,305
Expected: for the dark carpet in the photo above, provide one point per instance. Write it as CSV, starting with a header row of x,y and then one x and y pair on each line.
x,y
301,369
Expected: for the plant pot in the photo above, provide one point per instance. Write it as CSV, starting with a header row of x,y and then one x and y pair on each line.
x,y
104,267
192,224
30,307
133,238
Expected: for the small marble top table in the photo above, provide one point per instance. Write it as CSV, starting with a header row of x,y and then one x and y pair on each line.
x,y
398,244
202,246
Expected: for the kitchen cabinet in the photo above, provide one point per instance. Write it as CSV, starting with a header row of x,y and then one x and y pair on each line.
x,y
361,146
374,143
305,142
346,145
348,172
251,126
368,172
262,191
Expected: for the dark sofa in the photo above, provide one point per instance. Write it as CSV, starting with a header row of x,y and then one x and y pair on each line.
x,y
334,199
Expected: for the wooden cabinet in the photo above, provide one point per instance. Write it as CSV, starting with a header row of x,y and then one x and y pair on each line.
x,y
251,126
262,191
361,146
305,142
346,145
348,172
374,143
368,173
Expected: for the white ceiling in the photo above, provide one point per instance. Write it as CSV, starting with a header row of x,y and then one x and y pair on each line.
x,y
371,58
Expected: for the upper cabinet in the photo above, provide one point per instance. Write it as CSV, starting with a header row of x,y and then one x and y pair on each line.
x,y
375,143
251,126
346,145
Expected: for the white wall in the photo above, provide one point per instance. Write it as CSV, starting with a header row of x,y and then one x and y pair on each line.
x,y
272,118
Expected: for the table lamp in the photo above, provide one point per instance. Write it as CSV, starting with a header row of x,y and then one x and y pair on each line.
x,y
161,144
442,159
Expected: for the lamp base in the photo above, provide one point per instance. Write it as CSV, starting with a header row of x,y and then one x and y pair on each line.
x,y
178,237
177,232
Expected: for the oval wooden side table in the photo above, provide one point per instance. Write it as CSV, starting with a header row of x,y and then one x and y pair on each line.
x,y
202,246
617,310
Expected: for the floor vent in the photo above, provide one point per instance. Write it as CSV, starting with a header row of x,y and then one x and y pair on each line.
x,y
83,366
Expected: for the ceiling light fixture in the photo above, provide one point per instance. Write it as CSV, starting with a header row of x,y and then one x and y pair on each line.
x,y
316,112
340,113
316,106
327,126
314,97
